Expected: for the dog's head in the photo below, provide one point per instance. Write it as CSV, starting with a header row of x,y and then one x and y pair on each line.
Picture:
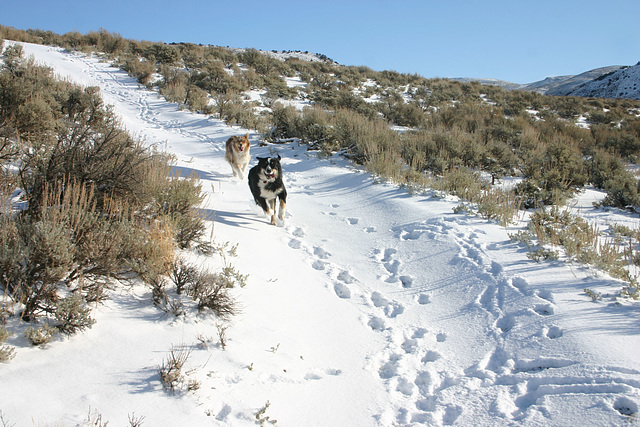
x,y
241,143
270,167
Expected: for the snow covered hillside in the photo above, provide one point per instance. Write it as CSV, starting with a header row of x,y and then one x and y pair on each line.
x,y
606,82
623,83
367,306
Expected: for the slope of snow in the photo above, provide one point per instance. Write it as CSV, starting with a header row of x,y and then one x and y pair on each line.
x,y
606,82
566,84
623,83
367,306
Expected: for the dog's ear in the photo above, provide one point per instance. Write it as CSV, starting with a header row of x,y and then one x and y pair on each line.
x,y
279,157
246,136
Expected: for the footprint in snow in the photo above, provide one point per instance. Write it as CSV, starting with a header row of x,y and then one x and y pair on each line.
x,y
419,333
451,414
521,284
544,309
318,265
299,232
345,277
506,323
626,406
224,413
410,345
388,253
431,356
424,299
391,308
407,281
546,295
321,253
425,383
342,290
404,387
295,244
552,332
390,369
377,323
312,376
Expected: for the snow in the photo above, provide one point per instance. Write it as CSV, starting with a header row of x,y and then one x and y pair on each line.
x,y
623,83
367,306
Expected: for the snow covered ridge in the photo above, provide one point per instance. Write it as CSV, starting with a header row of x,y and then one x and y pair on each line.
x,y
605,82
284,55
623,83
366,307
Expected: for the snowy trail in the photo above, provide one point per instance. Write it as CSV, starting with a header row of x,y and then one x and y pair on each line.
x,y
369,306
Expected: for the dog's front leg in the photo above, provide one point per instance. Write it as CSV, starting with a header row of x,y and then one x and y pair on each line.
x,y
272,211
240,171
283,206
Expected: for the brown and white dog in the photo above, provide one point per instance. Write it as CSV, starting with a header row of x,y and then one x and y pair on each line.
x,y
238,155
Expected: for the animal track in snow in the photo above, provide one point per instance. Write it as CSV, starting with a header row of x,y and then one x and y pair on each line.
x,y
506,323
319,374
390,368
425,383
298,232
553,332
295,244
346,277
407,281
544,309
410,345
321,253
545,294
388,253
318,265
404,387
431,356
392,266
390,308
424,299
377,323
224,413
541,364
521,284
342,290
626,406
451,414
419,333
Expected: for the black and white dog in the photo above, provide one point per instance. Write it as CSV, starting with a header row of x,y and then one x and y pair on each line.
x,y
265,182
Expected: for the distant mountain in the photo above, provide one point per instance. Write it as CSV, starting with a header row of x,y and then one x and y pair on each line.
x,y
615,81
490,82
623,83
570,83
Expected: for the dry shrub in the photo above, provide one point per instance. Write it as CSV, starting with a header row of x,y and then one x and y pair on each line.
x,y
40,335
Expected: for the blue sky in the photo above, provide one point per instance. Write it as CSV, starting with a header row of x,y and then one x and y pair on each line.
x,y
515,40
